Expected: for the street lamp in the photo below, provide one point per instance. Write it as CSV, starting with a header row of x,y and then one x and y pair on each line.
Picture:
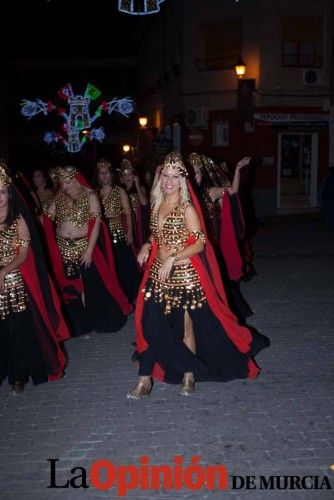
x,y
126,148
143,121
240,68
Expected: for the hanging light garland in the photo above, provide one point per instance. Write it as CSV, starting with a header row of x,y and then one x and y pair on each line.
x,y
139,7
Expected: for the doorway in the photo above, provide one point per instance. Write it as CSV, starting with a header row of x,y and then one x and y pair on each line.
x,y
297,170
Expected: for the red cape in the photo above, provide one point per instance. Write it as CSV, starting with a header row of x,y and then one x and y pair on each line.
x,y
57,329
228,241
104,262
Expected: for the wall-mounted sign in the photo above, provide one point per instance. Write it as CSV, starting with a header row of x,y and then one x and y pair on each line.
x,y
289,121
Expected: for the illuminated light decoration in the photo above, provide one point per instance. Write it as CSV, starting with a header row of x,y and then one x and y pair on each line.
x,y
139,7
78,120
32,108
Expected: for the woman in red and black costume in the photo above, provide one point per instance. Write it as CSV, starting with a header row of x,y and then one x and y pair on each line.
x,y
185,331
223,217
32,328
81,256
138,201
117,213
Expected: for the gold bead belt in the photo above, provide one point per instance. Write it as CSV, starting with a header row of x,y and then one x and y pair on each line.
x,y
13,297
182,288
116,230
71,250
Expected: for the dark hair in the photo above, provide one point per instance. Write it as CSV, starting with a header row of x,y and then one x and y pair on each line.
x,y
13,210
48,182
96,182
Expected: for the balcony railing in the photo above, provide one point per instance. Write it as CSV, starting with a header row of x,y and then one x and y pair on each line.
x,y
217,63
302,61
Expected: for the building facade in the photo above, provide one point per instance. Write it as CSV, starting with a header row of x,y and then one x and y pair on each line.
x,y
280,112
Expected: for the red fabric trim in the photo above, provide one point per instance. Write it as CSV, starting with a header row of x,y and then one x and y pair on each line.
x,y
209,252
241,214
80,178
253,369
141,342
57,263
29,274
239,335
107,270
228,241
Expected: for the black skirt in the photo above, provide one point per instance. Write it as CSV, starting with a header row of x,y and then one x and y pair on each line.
x,y
97,310
217,357
20,354
127,269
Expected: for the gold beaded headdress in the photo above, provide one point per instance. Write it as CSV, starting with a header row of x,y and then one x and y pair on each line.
x,y
103,163
126,167
217,175
4,177
67,173
174,161
195,160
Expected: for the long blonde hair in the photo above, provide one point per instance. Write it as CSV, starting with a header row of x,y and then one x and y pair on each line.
x,y
157,195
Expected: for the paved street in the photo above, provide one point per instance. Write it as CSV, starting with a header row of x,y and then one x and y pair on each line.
x,y
279,424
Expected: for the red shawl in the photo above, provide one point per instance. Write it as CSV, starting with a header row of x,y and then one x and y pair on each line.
x,y
228,241
104,262
57,332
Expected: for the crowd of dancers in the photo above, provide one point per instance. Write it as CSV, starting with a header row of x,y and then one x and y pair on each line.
x,y
77,258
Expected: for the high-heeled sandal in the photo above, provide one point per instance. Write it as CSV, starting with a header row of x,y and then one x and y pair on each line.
x,y
17,388
188,387
141,390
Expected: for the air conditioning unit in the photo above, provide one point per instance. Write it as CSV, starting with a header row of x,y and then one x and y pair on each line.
x,y
313,77
197,117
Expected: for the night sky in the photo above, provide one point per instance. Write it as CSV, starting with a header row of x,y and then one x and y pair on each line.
x,y
64,29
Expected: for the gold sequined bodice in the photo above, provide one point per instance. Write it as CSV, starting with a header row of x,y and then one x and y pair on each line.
x,y
173,232
113,212
9,243
112,204
13,298
134,201
77,212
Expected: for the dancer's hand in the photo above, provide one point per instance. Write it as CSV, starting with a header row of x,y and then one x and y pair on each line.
x,y
242,163
166,268
86,259
144,254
